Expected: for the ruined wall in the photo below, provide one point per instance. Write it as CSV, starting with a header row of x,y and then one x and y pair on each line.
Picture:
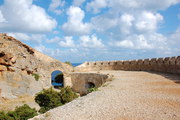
x,y
19,63
80,81
166,65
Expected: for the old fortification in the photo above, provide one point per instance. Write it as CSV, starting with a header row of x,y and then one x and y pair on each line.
x,y
81,82
166,65
25,71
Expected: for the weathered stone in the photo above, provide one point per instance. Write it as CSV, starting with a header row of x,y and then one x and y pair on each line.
x,y
178,60
146,61
167,65
17,64
153,61
3,68
166,60
81,81
172,60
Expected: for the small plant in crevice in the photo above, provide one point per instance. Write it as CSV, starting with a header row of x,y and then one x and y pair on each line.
x,y
92,89
68,62
49,98
36,76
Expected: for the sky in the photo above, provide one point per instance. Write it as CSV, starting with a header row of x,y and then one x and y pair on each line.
x,y
95,30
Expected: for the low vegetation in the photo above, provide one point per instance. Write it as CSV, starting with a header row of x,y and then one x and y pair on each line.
x,y
20,113
69,63
92,89
36,76
49,98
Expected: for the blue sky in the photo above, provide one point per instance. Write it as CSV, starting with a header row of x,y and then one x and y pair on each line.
x,y
95,30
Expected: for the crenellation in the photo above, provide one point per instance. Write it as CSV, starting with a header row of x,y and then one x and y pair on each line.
x,y
126,62
140,62
133,62
167,65
172,61
146,61
153,61
178,60
166,61
98,63
119,62
160,61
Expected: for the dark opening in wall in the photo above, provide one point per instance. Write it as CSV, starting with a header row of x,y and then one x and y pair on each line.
x,y
89,85
57,79
2,54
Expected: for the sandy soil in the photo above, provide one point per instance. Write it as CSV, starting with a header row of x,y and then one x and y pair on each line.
x,y
129,96
8,105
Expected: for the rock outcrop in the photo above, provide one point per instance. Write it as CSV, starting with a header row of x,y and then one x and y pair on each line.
x,y
25,71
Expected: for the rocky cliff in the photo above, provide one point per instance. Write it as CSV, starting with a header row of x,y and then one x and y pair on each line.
x,y
25,71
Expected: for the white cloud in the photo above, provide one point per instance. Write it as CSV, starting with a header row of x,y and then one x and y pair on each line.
x,y
20,36
56,5
78,2
34,38
174,39
2,19
147,21
126,22
53,40
48,51
23,16
41,48
129,5
91,42
144,41
75,25
96,5
68,42
104,22
125,43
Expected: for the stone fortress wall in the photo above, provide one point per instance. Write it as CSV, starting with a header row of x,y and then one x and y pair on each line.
x,y
165,65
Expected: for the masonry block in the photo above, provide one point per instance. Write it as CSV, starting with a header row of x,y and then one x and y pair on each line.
x,y
178,60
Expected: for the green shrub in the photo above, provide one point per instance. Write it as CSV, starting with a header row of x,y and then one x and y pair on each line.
x,y
67,95
92,89
4,116
20,113
49,98
69,63
36,76
25,112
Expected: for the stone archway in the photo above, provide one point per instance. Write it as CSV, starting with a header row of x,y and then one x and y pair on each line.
x,y
89,85
57,79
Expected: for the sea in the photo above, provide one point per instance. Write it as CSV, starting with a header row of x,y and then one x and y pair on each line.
x,y
75,64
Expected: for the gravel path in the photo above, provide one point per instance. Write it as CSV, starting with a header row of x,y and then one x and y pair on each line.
x,y
130,96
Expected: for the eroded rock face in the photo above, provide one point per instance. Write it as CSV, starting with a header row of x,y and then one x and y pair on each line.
x,y
18,65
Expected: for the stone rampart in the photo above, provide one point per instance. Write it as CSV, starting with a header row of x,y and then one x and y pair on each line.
x,y
166,65
81,82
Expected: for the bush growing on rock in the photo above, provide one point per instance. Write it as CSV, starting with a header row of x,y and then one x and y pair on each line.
x,y
49,98
67,95
36,76
68,62
20,113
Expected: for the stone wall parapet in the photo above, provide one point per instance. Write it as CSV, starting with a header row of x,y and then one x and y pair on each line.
x,y
167,65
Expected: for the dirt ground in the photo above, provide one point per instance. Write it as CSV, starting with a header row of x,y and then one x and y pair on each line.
x,y
129,96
